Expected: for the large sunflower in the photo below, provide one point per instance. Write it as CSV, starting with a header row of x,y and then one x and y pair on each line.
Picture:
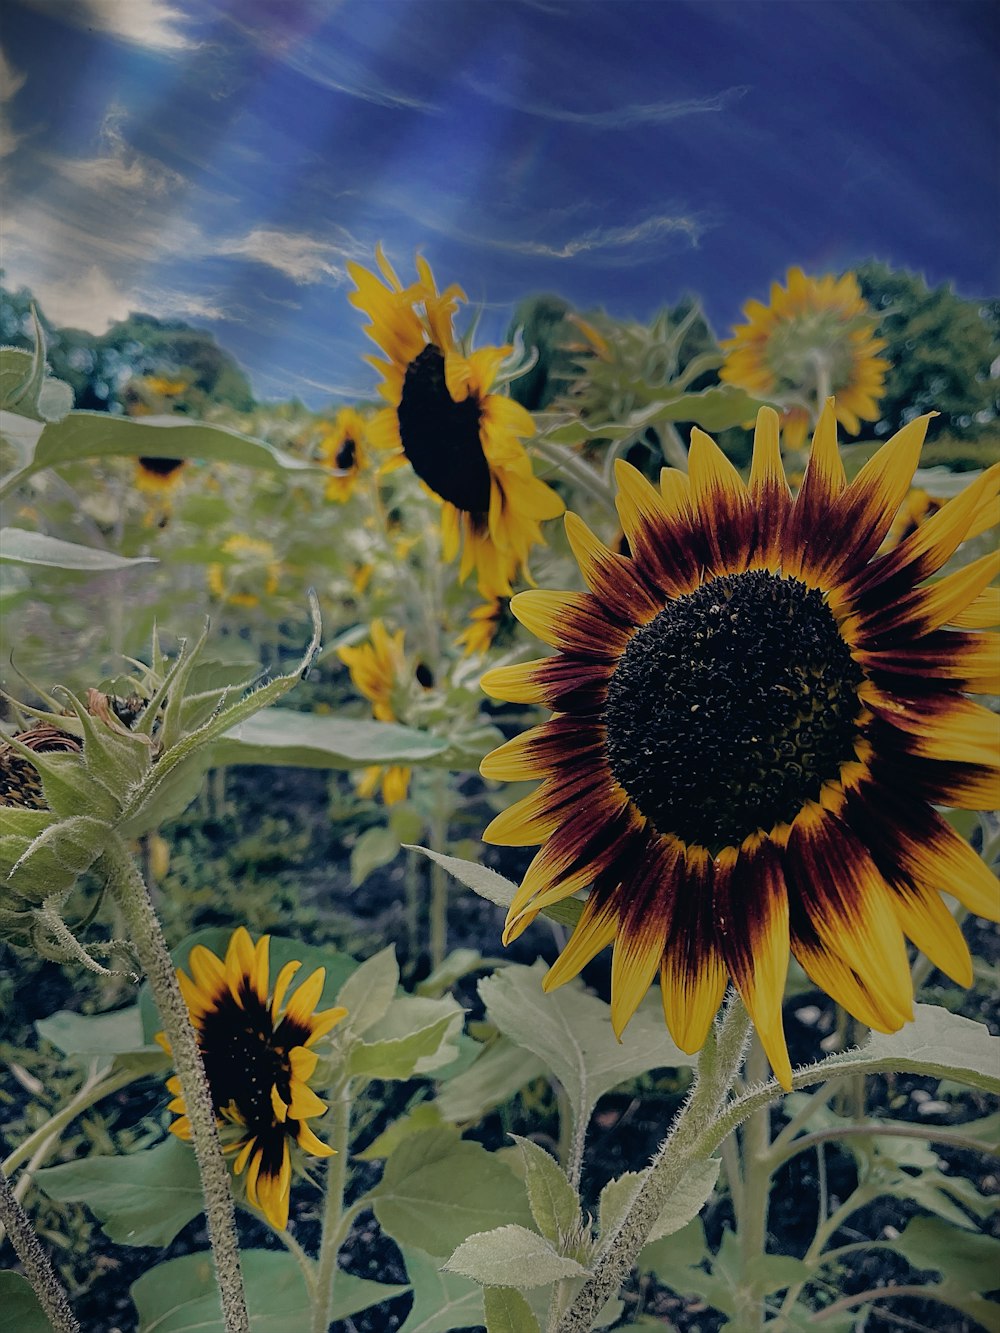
x,y
815,338
462,441
258,1060
754,719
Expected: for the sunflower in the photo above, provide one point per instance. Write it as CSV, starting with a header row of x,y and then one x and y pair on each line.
x,y
755,716
484,621
159,476
378,669
816,337
342,449
462,441
258,1061
251,573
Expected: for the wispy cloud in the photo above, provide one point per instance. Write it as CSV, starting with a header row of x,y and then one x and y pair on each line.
x,y
154,24
11,83
327,68
303,258
611,118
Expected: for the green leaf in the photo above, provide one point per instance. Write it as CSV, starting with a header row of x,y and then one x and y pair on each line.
x,y
301,740
398,1057
494,888
35,548
971,1260
17,368
570,1030
459,963
437,1189
21,1310
685,1203
375,848
553,1200
512,1256
369,990
507,1311
424,1115
140,1198
180,1296
95,1037
937,1043
673,1257
441,1301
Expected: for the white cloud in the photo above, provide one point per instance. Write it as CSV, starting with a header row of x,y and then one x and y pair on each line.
x,y
616,117
11,83
90,300
149,23
303,258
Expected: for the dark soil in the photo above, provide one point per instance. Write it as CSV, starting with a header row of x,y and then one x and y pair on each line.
x,y
277,840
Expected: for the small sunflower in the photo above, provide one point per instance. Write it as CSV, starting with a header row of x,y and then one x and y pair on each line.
x,y
815,338
462,441
755,716
378,669
258,1061
484,621
159,476
342,449
251,574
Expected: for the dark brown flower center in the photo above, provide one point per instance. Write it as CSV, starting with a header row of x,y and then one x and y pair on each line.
x,y
441,437
243,1061
161,467
346,455
732,708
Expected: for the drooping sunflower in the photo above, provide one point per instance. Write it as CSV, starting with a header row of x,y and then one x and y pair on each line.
x,y
342,449
815,338
258,1059
378,669
462,440
755,716
252,572
484,621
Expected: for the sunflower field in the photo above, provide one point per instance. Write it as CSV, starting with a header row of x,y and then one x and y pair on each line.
x,y
518,853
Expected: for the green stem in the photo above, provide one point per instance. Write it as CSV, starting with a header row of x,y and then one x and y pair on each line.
x,y
336,1222
130,892
756,1187
928,1133
439,880
38,1270
578,472
88,1095
718,1066
812,1257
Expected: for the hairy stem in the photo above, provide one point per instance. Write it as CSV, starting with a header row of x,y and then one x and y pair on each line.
x,y
35,1262
336,1223
756,1186
130,892
718,1066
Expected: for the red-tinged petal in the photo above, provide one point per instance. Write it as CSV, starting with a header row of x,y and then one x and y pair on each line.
x,y
822,485
545,749
663,547
932,928
751,924
693,975
646,904
574,622
939,726
595,930
769,492
725,513
928,608
962,660
612,578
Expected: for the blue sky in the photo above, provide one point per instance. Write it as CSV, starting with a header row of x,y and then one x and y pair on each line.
x,y
221,160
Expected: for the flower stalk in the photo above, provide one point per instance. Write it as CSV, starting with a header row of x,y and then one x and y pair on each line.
x,y
335,1221
130,893
37,1268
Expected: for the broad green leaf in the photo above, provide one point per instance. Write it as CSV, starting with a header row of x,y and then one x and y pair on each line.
x,y
495,888
35,548
672,1257
105,1038
424,1115
570,1030
937,1043
101,435
17,368
685,1203
409,1014
500,1071
283,736
374,848
20,435
459,963
398,1057
553,1200
441,1301
512,1256
180,1296
969,1259
437,1189
140,1198
21,1312
55,400
369,990
507,1311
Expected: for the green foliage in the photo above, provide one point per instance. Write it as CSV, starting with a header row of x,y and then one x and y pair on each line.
x,y
441,1301
941,347
21,1310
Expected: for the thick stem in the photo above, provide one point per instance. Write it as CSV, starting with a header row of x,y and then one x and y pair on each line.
x,y
756,1186
718,1066
89,1094
336,1222
35,1262
439,880
130,892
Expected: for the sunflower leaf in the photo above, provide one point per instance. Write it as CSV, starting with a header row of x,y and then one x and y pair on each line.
x,y
507,1311
36,548
512,1256
685,1203
570,1030
399,1057
553,1200
971,1260
369,990
302,740
140,1198
441,1301
501,1070
495,888
20,1305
